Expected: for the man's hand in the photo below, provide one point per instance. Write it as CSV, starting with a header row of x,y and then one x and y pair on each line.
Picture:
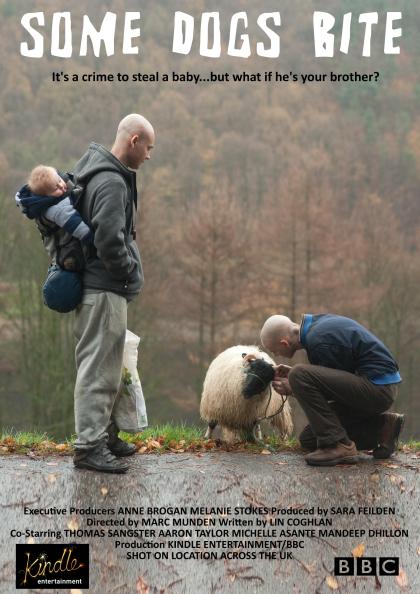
x,y
282,387
281,371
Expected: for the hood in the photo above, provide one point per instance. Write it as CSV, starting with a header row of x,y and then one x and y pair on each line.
x,y
97,159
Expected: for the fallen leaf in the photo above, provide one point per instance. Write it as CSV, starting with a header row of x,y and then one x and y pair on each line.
x,y
52,463
359,550
61,447
76,592
265,452
104,491
73,524
52,478
154,444
374,476
31,455
309,567
142,586
418,551
397,480
9,441
402,579
331,582
30,540
142,450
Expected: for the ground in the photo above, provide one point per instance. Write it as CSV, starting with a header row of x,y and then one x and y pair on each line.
x,y
277,485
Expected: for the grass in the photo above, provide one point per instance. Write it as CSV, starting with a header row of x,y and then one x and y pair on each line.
x,y
24,438
159,439
169,432
412,445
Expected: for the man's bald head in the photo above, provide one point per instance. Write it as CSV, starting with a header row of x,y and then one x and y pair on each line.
x,y
280,336
134,140
132,124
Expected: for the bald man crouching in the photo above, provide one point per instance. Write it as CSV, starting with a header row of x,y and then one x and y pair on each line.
x,y
112,277
345,391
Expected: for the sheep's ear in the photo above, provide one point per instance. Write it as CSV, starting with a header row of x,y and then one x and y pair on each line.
x,y
249,358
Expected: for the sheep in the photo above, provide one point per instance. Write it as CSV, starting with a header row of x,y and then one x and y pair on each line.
x,y
223,402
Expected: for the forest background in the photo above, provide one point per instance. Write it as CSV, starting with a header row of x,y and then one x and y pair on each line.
x,y
260,198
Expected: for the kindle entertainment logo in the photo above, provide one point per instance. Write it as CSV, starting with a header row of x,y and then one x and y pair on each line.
x,y
366,566
52,566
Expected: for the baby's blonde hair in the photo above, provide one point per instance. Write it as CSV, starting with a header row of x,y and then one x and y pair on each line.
x,y
41,179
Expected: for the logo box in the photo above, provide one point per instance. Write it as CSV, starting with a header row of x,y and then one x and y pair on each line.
x,y
366,566
52,566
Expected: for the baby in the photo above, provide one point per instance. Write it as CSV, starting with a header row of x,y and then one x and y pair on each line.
x,y
49,199
45,181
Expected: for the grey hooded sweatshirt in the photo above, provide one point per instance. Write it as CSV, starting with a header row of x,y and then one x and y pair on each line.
x,y
108,206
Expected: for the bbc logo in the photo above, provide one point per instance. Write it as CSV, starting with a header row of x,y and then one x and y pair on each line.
x,y
366,566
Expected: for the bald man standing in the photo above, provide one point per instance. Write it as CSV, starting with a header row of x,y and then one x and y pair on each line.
x,y
112,277
350,382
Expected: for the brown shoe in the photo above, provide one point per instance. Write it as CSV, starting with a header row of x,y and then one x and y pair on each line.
x,y
336,454
388,435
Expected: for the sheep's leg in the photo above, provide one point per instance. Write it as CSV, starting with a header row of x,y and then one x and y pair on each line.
x,y
210,429
256,435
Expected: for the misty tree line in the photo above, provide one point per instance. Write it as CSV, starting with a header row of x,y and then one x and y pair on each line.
x,y
259,199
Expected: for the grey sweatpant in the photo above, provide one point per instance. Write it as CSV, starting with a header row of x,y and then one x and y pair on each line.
x,y
100,327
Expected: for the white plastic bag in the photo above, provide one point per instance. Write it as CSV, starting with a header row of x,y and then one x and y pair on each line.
x,y
130,408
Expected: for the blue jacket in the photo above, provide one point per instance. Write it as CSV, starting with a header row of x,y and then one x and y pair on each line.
x,y
341,343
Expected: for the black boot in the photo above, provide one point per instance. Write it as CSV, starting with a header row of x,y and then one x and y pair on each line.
x,y
99,458
388,435
116,445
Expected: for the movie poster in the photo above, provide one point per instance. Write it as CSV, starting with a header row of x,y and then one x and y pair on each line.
x,y
282,178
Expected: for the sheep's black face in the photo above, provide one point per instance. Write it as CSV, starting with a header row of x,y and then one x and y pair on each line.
x,y
259,374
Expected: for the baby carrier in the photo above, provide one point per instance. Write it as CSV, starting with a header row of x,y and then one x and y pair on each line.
x,y
63,289
64,249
